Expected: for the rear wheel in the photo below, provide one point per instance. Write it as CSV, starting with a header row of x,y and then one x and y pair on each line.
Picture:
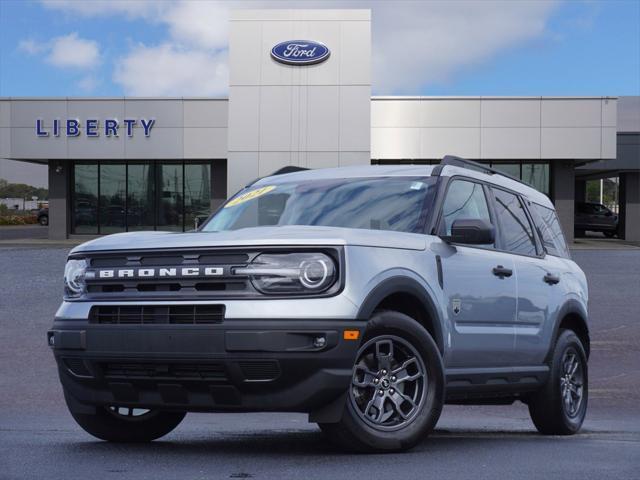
x,y
124,424
44,220
397,389
609,234
560,407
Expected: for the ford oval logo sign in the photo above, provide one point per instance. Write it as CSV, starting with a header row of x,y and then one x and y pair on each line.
x,y
300,52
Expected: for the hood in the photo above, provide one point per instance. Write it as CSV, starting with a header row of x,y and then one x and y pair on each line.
x,y
257,236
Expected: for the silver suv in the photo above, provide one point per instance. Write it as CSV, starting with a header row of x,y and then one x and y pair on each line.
x,y
367,297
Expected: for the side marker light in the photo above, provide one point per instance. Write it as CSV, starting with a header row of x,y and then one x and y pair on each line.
x,y
351,334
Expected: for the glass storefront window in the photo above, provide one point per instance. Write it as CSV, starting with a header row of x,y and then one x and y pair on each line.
x,y
170,201
112,197
141,196
85,198
197,193
109,197
512,169
536,175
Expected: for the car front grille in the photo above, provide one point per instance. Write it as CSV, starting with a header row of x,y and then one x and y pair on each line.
x,y
168,287
157,314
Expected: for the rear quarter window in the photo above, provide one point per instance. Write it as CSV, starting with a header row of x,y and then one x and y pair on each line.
x,y
550,231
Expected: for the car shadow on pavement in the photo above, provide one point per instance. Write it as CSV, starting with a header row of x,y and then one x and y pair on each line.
x,y
286,443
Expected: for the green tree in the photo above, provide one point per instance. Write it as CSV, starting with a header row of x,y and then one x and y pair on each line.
x,y
21,190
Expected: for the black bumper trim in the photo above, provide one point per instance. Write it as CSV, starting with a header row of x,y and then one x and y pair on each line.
x,y
245,365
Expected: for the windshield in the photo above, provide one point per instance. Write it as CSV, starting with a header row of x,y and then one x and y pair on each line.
x,y
381,203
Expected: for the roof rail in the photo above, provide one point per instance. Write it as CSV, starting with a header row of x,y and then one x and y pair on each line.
x,y
280,171
471,165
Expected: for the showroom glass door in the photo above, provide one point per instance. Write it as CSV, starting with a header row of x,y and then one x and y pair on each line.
x,y
170,181
197,193
84,202
141,194
113,190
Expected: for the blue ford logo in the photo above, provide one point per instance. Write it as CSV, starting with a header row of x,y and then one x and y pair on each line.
x,y
300,52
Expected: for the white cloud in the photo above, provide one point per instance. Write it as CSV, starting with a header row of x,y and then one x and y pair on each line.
x,y
165,70
431,42
88,83
99,8
200,24
67,51
415,43
73,51
31,47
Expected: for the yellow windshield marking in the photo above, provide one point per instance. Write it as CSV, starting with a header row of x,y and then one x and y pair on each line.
x,y
245,197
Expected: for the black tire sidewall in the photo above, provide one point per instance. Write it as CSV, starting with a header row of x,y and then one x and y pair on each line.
x,y
107,426
385,323
546,407
569,340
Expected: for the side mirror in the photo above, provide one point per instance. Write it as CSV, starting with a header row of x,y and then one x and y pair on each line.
x,y
471,231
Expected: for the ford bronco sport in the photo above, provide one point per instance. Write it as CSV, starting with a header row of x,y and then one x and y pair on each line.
x,y
366,297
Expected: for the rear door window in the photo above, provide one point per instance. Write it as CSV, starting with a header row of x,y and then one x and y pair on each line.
x,y
515,228
550,231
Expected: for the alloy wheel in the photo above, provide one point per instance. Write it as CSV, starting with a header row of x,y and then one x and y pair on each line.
x,y
389,383
571,383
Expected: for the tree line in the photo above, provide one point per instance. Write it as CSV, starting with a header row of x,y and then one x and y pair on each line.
x,y
21,190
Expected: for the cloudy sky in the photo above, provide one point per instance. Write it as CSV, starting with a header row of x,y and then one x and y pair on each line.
x,y
179,48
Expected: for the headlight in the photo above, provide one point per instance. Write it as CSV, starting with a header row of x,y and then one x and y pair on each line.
x,y
290,273
74,277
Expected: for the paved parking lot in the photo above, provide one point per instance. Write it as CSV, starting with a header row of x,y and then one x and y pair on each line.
x,y
21,232
38,438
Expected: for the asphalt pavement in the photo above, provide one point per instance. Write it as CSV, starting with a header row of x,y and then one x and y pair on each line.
x,y
39,439
21,232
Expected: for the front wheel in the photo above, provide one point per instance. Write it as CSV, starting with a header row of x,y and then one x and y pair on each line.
x,y
124,424
560,407
397,389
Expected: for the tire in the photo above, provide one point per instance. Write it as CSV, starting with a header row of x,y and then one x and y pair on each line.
x,y
609,234
107,424
550,413
579,233
409,408
43,220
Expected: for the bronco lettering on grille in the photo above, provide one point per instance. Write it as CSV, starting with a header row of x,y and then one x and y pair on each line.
x,y
170,272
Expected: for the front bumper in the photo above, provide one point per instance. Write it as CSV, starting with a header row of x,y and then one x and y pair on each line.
x,y
239,365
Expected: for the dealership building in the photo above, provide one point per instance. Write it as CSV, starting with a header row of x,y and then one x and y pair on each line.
x,y
124,164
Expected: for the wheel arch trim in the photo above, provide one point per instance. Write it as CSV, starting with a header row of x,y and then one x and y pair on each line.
x,y
403,284
577,309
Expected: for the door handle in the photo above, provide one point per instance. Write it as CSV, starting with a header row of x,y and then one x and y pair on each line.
x,y
502,272
551,279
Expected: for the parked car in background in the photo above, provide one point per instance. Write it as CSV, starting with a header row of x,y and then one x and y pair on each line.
x,y
43,216
595,217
